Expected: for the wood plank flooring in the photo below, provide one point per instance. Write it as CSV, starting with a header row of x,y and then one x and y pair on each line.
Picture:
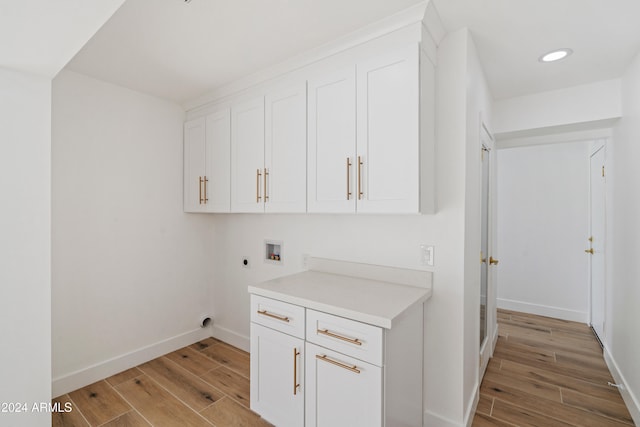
x,y
544,372
205,384
547,372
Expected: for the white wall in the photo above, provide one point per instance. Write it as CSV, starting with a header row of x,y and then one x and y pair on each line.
x,y
585,103
543,211
622,316
130,269
25,254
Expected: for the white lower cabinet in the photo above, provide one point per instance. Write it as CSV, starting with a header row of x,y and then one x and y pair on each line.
x,y
341,391
277,373
314,369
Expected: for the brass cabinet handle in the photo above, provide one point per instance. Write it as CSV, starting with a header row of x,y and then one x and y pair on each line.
x,y
348,178
273,316
360,178
326,332
493,261
200,189
206,199
352,368
258,175
296,353
266,174
590,251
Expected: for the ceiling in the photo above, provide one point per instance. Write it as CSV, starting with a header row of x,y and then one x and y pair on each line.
x,y
181,51
41,36
511,35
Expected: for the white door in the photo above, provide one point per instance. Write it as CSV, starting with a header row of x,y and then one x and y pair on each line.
x,y
597,241
194,165
285,179
332,142
388,155
247,156
277,373
341,391
217,185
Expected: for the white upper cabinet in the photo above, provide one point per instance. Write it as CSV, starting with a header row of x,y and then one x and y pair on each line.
x,y
364,136
387,160
285,150
206,163
349,134
247,156
218,152
194,164
269,148
332,141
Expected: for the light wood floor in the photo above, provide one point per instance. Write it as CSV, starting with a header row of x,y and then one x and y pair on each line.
x,y
205,384
547,372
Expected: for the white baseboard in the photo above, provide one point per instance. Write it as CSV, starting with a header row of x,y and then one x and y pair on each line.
x,y
434,420
471,408
630,399
231,337
83,377
544,310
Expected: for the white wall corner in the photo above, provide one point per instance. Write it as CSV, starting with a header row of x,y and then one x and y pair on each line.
x,y
230,337
434,420
472,406
432,23
629,397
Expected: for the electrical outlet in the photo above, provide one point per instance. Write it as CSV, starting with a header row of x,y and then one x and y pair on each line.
x,y
427,253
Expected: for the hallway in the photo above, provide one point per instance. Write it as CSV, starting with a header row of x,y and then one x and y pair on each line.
x,y
547,372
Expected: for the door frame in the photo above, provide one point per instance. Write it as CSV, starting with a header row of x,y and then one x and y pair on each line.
x,y
486,140
596,147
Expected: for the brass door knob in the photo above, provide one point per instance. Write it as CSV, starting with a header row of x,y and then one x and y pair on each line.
x,y
590,251
493,261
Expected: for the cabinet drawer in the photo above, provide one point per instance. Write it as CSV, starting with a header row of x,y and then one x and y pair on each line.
x,y
278,315
349,337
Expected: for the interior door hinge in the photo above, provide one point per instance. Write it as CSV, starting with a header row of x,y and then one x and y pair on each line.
x,y
603,171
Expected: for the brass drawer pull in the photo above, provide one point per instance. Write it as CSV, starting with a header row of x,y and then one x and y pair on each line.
x,y
258,175
348,178
360,193
273,316
296,353
206,199
326,332
334,362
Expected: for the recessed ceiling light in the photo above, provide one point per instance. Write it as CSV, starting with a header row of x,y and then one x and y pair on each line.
x,y
555,55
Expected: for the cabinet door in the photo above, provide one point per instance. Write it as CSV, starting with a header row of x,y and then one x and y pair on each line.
x,y
194,165
217,188
331,142
247,156
388,154
285,188
277,373
341,391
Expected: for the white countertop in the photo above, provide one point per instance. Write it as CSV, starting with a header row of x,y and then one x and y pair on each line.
x,y
359,298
